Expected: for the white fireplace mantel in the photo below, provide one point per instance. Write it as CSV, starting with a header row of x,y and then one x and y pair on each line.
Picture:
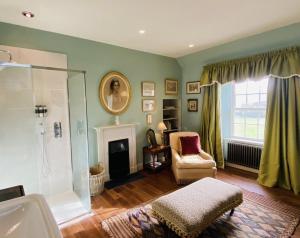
x,y
105,134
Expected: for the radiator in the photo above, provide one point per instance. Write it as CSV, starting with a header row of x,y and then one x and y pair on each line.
x,y
244,154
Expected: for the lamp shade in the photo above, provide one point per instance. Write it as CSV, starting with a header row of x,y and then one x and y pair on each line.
x,y
161,126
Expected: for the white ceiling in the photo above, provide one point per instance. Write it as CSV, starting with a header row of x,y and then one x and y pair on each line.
x,y
171,25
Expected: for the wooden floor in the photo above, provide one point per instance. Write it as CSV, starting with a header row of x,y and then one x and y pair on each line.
x,y
119,199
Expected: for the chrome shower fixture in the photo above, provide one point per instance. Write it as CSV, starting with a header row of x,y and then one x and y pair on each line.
x,y
41,110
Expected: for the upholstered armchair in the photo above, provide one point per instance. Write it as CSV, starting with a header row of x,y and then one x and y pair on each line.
x,y
190,167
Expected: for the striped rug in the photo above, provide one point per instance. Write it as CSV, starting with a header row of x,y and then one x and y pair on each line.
x,y
256,217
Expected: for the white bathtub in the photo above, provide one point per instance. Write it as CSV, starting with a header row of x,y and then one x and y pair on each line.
x,y
27,216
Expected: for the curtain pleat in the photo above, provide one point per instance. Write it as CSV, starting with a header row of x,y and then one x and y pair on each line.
x,y
211,140
280,161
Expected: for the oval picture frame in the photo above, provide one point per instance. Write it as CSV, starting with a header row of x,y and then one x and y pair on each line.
x,y
115,93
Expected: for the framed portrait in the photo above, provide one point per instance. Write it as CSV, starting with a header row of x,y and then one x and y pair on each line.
x,y
114,93
192,105
193,87
171,87
148,105
148,89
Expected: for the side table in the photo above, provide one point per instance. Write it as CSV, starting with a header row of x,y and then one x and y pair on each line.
x,y
154,151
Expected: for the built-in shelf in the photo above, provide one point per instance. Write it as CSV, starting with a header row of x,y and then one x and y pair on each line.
x,y
171,117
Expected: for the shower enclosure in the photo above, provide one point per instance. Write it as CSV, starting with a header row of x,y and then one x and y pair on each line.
x,y
43,136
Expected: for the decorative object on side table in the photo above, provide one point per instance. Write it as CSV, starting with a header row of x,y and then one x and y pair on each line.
x,y
148,89
114,93
171,87
161,127
150,136
192,105
193,87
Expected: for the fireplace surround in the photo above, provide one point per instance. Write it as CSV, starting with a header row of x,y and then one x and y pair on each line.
x,y
106,134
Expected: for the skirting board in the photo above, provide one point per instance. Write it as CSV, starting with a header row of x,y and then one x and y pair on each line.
x,y
241,167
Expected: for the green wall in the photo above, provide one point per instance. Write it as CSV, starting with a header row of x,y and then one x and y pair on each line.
x,y
192,64
98,59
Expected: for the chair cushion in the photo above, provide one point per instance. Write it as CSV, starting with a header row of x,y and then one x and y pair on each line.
x,y
194,162
175,141
190,145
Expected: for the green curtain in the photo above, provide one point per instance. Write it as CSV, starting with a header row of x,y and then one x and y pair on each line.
x,y
280,161
210,128
281,63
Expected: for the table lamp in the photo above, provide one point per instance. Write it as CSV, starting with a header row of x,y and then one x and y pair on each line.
x,y
161,127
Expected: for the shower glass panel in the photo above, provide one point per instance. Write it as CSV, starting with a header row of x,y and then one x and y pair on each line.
x,y
78,122
18,138
43,142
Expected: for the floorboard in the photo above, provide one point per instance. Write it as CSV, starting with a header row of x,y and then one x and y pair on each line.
x,y
119,199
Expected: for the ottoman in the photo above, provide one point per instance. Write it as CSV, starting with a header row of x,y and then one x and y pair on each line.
x,y
188,211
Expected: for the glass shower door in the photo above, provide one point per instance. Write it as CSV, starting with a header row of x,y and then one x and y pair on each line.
x,y
19,151
78,126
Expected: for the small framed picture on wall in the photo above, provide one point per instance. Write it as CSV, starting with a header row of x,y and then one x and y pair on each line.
x,y
192,105
148,105
148,89
193,87
171,87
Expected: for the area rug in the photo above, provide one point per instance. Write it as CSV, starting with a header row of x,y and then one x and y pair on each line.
x,y
256,217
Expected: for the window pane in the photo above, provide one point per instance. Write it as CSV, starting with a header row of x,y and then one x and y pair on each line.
x,y
250,109
240,101
238,130
261,117
240,88
252,87
251,131
251,117
261,130
263,100
253,100
238,117
263,85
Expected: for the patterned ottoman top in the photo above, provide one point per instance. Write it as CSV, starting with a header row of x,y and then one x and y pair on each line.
x,y
191,209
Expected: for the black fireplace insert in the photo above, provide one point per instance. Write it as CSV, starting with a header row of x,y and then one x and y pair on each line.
x,y
118,159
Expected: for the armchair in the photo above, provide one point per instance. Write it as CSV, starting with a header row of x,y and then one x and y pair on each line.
x,y
188,168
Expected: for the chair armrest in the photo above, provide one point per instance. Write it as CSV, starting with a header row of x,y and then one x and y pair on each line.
x,y
205,155
175,156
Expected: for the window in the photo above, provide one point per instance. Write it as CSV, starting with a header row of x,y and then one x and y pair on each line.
x,y
250,109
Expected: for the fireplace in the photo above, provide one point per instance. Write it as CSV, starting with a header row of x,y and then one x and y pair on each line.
x,y
108,134
118,159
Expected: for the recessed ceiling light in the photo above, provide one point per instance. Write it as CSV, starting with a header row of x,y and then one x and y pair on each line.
x,y
142,32
28,14
191,45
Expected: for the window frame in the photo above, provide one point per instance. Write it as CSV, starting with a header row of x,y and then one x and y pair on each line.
x,y
245,109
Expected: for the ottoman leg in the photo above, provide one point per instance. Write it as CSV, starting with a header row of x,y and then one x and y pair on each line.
x,y
231,212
